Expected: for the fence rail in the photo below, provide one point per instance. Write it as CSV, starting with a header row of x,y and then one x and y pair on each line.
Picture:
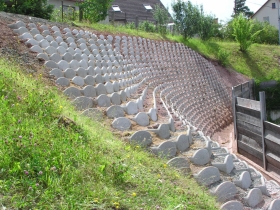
x,y
257,139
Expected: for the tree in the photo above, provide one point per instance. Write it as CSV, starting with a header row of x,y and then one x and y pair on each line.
x,y
239,7
243,31
161,15
95,10
208,25
186,18
36,8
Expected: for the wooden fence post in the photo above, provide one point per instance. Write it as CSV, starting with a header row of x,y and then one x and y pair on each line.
x,y
263,118
234,113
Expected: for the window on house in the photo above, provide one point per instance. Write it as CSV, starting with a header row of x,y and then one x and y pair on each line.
x,y
273,6
148,7
116,8
266,19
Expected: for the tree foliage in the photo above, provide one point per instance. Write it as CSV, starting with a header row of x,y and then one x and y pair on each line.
x,y
239,7
187,18
161,16
191,20
95,10
243,32
36,8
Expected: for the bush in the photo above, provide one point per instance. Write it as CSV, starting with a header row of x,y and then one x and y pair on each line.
x,y
223,57
147,26
268,35
130,25
68,15
243,33
36,8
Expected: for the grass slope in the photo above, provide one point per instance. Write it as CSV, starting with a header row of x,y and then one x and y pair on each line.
x,y
261,62
53,158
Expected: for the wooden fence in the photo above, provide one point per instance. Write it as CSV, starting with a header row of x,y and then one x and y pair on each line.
x,y
257,139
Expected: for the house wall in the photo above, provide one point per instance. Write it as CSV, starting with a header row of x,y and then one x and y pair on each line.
x,y
267,11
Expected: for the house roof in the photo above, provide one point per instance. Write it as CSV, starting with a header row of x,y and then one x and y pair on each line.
x,y
132,8
260,8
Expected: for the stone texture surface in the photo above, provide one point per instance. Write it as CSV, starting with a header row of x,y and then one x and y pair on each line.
x,y
225,191
72,92
115,112
254,197
225,166
62,81
121,124
142,119
201,157
208,176
179,162
274,205
143,138
103,101
83,102
166,149
182,142
232,205
244,180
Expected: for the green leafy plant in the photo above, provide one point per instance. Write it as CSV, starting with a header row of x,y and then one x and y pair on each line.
x,y
161,16
242,31
94,10
147,26
223,57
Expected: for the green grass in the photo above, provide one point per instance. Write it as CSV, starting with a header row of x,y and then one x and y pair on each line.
x,y
119,30
53,158
261,62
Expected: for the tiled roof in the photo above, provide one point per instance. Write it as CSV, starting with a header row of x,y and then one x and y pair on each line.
x,y
132,8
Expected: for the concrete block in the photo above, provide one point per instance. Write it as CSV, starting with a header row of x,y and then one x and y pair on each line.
x,y
81,72
43,56
69,73
243,180
225,191
74,64
182,142
51,64
153,114
56,73
55,57
77,80
201,157
44,43
62,81
89,80
103,101
61,50
165,150
83,102
116,99
232,205
98,79
38,37
179,162
143,138
224,163
36,49
142,119
274,205
100,89
115,112
208,176
21,30
89,91
54,44
121,124
72,92
254,197
131,108
109,87
63,65
67,57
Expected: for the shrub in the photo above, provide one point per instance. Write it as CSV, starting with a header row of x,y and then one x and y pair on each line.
x,y
243,33
130,25
147,26
68,15
223,57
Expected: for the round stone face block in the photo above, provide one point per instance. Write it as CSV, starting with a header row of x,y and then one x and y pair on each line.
x,y
201,157
163,131
182,142
178,162
166,149
208,176
121,124
274,205
232,205
143,138
83,102
225,191
115,99
142,119
131,108
94,114
72,92
62,81
103,101
254,197
114,112
89,91
78,81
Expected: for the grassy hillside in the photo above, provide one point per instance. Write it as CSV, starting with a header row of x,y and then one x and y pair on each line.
x,y
261,62
53,158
